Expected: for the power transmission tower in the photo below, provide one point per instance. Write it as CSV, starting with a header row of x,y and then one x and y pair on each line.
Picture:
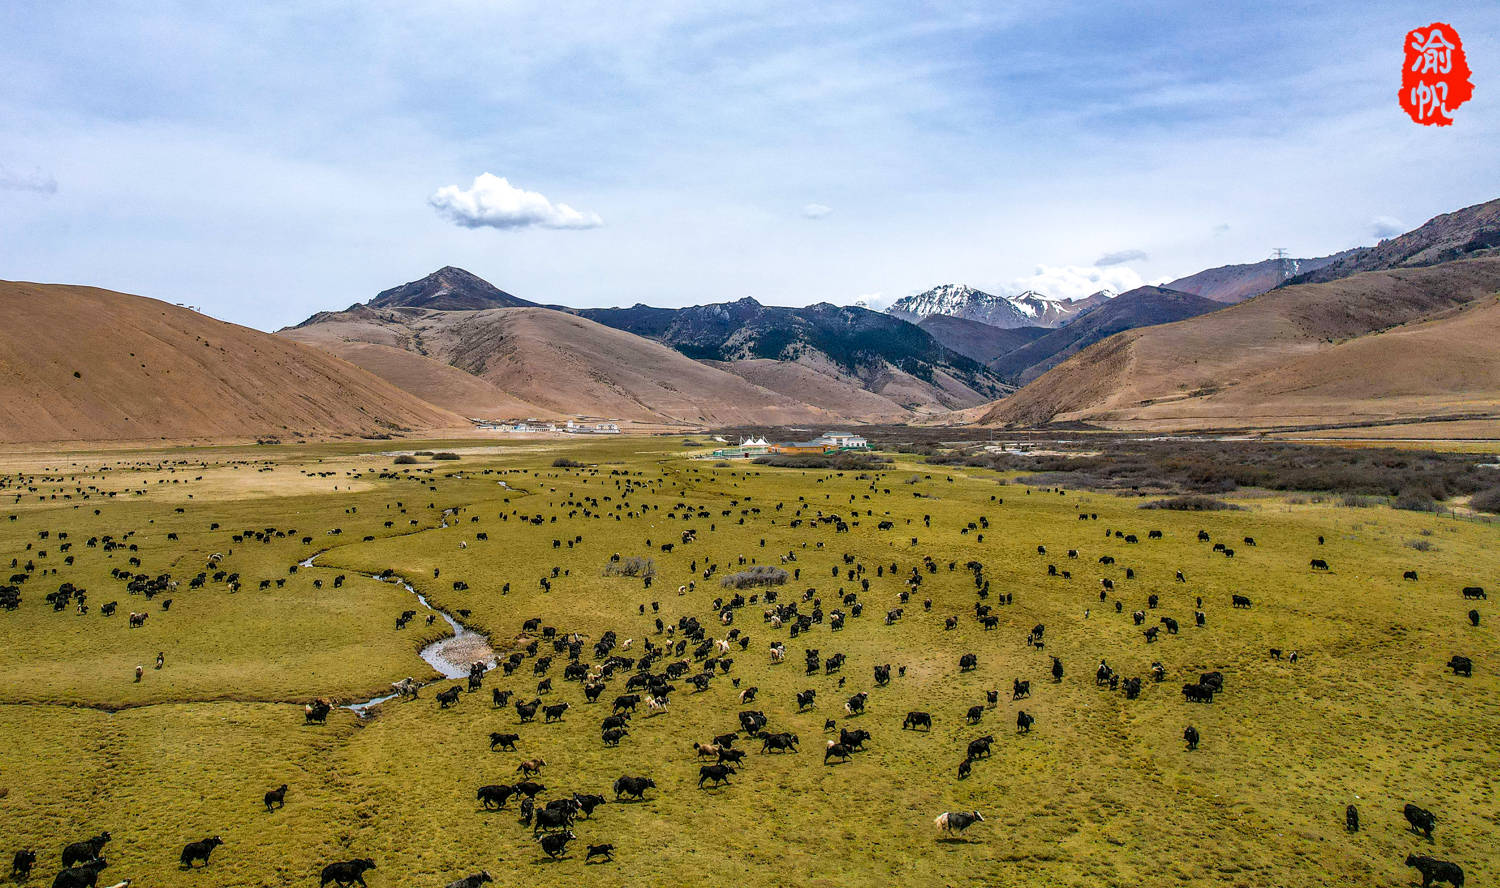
x,y
1279,253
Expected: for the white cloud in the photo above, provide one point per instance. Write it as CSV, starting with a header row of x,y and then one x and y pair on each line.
x,y
492,202
38,181
815,211
1386,226
1120,257
1074,281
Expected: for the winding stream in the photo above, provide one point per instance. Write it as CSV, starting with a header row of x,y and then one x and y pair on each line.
x,y
450,655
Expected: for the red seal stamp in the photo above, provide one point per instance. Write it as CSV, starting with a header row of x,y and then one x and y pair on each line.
x,y
1435,75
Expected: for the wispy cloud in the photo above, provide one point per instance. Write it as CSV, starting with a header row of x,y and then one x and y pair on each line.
x,y
492,202
1121,257
37,181
815,211
1074,281
1386,226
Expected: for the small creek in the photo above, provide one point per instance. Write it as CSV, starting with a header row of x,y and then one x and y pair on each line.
x,y
450,655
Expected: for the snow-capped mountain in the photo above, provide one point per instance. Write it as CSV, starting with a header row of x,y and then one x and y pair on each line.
x,y
1028,309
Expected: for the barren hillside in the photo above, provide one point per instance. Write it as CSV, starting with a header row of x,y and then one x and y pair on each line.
x,y
1310,354
79,363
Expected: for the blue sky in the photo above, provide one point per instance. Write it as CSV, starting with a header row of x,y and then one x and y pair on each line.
x,y
272,160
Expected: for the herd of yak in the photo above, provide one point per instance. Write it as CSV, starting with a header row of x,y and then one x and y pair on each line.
x,y
696,653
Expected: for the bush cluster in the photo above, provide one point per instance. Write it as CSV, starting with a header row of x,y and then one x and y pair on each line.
x,y
634,566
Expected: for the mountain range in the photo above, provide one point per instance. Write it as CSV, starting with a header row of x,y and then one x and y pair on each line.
x,y
1028,309
1400,332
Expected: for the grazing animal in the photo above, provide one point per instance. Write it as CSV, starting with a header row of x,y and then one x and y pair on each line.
x,y
1198,693
554,712
1351,819
1475,592
527,711
964,767
1421,820
1474,617
835,750
1024,722
856,703
975,714
1239,601
1020,689
1434,870
473,881
199,850
957,821
588,802
349,872
529,788
612,736
553,818
635,787
980,747
605,850
967,662
495,795
554,845
21,864
449,697
1190,735
1409,575
85,875
504,741
88,849
719,774
530,767
779,743
1461,665
1057,669
276,797
1318,563
915,719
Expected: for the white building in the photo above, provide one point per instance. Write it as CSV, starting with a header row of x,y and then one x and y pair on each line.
x,y
843,440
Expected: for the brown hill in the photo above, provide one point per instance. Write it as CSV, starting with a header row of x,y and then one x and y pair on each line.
x,y
1309,354
1466,233
1236,283
448,289
975,339
1141,307
557,362
84,364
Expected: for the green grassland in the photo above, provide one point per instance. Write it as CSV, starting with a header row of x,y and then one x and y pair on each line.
x,y
1101,792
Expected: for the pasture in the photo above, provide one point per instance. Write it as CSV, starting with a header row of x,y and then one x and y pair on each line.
x,y
1101,791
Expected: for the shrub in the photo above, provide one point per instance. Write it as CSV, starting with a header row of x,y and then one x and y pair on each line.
x,y
1410,500
1419,545
634,566
424,453
562,462
405,460
1486,500
845,461
445,455
721,464
1192,503
757,575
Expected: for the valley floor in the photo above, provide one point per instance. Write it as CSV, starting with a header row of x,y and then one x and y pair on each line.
x,y
1101,791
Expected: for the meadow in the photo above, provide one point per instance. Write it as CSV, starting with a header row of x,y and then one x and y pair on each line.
x,y
1102,790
